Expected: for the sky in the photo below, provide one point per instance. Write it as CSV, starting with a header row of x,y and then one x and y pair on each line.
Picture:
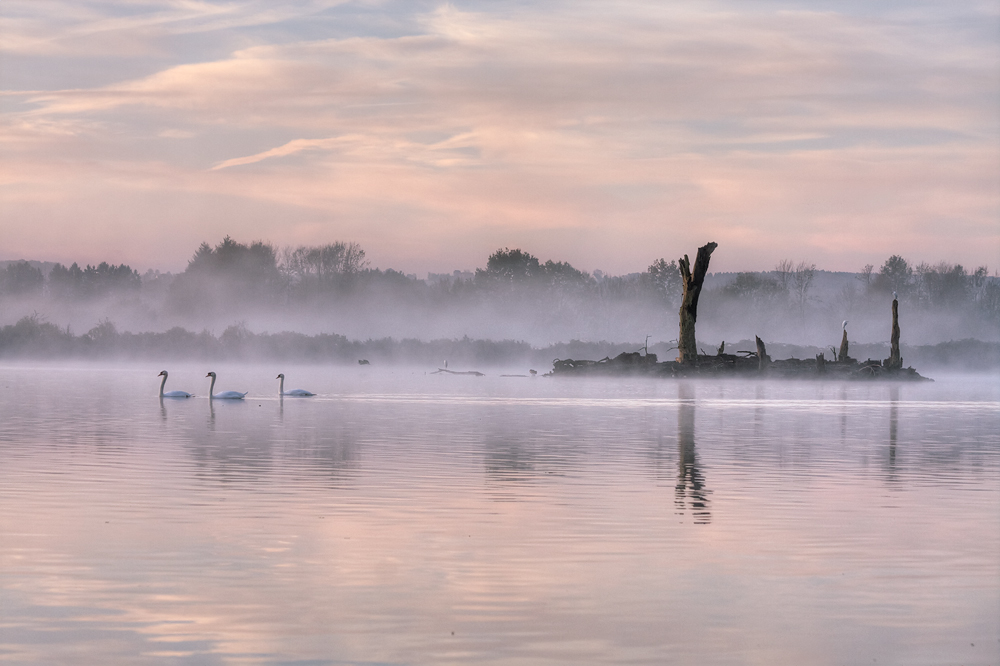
x,y
605,134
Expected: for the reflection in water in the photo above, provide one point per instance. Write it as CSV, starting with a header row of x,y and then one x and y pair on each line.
x,y
843,414
758,413
893,425
509,465
364,529
690,482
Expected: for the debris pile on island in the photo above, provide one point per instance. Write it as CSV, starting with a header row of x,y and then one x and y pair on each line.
x,y
689,363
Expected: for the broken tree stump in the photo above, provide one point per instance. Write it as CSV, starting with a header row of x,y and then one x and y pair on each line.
x,y
895,360
842,355
763,359
687,349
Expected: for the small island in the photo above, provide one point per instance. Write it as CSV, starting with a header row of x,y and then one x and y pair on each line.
x,y
756,363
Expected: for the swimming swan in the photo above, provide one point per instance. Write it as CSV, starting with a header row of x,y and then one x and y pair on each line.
x,y
225,395
294,392
171,394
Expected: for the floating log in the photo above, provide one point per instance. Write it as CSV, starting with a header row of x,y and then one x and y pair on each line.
x,y
687,349
444,371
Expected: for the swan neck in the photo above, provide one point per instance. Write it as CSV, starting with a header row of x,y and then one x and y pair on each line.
x,y
211,388
162,384
281,385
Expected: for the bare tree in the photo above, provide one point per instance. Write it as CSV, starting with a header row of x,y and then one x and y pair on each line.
x,y
865,276
802,279
783,273
323,263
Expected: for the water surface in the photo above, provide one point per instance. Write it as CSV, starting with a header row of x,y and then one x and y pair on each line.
x,y
406,518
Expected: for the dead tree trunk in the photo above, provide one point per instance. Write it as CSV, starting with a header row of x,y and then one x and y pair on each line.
x,y
763,358
895,360
842,355
687,348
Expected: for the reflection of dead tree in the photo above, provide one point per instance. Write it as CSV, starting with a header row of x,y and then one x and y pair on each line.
x,y
690,481
893,425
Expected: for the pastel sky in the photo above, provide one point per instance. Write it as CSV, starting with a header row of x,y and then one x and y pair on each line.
x,y
605,134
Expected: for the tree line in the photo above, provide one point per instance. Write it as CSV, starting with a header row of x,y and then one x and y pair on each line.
x,y
928,286
231,277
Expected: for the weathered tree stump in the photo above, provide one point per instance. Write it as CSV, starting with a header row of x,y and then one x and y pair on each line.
x,y
687,349
842,355
895,360
763,359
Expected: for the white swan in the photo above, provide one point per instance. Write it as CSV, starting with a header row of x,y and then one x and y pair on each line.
x,y
301,393
225,395
171,394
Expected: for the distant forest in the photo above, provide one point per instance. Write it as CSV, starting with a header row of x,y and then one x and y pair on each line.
x,y
246,289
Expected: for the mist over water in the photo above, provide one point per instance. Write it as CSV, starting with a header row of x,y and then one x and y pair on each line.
x,y
234,289
402,517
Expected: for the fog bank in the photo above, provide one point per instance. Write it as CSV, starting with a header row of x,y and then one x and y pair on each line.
x,y
256,288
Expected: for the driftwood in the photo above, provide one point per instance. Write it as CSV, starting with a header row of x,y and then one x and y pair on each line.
x,y
687,349
747,365
444,371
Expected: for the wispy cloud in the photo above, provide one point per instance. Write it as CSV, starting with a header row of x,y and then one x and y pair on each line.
x,y
825,129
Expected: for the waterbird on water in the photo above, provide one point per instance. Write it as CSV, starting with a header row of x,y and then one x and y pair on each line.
x,y
171,394
225,395
299,393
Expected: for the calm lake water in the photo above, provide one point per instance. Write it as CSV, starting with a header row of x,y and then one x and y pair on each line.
x,y
406,518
